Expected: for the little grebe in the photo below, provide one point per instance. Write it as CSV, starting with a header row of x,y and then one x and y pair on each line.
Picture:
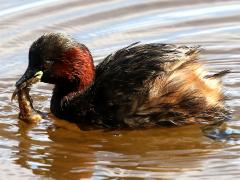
x,y
139,86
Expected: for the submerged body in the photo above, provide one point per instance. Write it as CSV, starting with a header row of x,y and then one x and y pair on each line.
x,y
142,85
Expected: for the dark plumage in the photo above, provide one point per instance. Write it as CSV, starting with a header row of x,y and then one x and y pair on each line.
x,y
139,86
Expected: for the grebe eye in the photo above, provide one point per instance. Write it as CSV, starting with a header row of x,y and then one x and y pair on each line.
x,y
47,64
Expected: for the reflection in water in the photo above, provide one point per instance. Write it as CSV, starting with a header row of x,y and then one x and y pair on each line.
x,y
50,156
57,149
223,131
67,152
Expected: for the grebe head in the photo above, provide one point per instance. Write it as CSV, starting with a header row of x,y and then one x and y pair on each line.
x,y
58,59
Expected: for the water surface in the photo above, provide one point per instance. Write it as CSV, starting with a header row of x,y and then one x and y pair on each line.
x,y
56,149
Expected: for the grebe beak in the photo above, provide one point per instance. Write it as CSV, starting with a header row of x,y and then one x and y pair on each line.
x,y
29,77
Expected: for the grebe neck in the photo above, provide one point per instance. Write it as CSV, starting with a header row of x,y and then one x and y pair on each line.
x,y
77,74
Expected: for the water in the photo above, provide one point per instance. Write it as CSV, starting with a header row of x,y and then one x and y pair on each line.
x,y
56,149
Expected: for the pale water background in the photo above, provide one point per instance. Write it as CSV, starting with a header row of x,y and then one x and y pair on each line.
x,y
56,149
